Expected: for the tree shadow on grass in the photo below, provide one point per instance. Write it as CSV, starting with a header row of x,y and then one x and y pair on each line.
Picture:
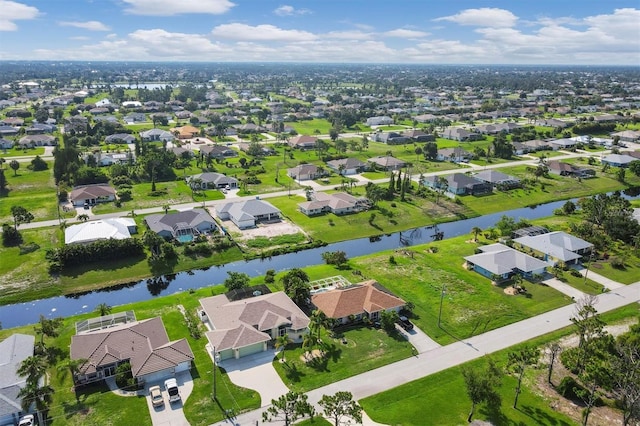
x,y
292,372
540,417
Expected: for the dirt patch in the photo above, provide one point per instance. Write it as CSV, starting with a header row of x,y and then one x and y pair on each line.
x,y
268,230
309,356
511,291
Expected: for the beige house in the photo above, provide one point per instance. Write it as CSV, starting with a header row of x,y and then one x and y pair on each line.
x,y
366,299
244,327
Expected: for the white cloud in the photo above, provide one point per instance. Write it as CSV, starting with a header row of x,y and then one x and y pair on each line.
x,y
13,11
243,32
177,7
286,10
79,38
483,17
348,35
88,25
405,33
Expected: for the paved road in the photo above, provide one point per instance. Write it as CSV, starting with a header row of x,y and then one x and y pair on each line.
x,y
444,357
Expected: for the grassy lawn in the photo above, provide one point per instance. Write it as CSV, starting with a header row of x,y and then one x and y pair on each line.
x,y
35,191
628,275
97,406
405,215
471,304
586,286
555,188
19,152
441,398
309,127
372,348
493,160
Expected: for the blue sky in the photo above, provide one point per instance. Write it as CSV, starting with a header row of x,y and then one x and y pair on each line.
x,y
590,32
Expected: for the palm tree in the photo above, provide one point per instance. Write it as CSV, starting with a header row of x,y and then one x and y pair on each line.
x,y
282,342
103,309
475,230
73,366
40,395
317,320
32,368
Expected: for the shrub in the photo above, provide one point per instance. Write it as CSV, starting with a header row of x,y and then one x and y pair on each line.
x,y
617,262
392,260
124,195
575,273
10,236
569,388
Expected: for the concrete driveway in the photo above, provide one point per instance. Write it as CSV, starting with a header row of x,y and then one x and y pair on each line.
x,y
418,339
256,372
170,414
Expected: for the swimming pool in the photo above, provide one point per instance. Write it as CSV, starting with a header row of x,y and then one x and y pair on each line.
x,y
185,238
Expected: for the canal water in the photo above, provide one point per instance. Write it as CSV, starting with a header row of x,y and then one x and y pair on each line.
x,y
29,312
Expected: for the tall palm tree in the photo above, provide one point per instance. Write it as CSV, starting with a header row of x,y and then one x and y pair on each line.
x,y
32,368
476,230
73,366
103,309
41,396
282,342
317,320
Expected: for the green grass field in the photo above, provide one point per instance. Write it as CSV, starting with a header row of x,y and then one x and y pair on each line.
x,y
19,152
372,348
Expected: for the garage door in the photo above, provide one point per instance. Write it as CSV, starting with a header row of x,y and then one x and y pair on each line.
x,y
226,354
158,376
253,349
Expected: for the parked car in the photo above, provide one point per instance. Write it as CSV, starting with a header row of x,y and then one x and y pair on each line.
x,y
171,385
27,420
405,323
156,396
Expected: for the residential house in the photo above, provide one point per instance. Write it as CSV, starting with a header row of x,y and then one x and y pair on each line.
x,y
565,143
529,231
119,228
265,149
12,121
495,128
13,350
5,144
556,247
32,141
180,152
459,184
554,122
530,146
120,138
338,203
498,179
426,118
303,142
455,155
135,117
76,123
379,121
386,163
92,194
305,172
213,180
157,135
109,158
499,262
186,132
183,226
247,214
218,151
347,166
627,135
566,169
367,299
390,138
418,136
461,135
144,344
245,326
8,130
618,160
40,128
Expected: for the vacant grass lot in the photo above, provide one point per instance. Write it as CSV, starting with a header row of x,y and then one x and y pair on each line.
x,y
35,191
20,152
405,215
371,347
97,406
441,398
471,305
555,188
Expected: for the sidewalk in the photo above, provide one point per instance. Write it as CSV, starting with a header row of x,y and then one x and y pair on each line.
x,y
444,357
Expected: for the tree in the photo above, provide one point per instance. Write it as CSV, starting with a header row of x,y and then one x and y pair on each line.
x,y
634,167
38,164
296,286
594,375
32,368
337,258
73,366
625,369
15,166
153,242
20,215
340,405
236,280
317,321
388,320
3,182
418,152
83,217
475,231
288,408
48,327
587,320
553,350
482,386
519,360
41,396
282,342
103,309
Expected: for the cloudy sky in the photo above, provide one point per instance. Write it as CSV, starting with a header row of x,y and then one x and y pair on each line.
x,y
379,31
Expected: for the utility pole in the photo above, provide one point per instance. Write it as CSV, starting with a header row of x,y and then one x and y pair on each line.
x,y
215,355
441,299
